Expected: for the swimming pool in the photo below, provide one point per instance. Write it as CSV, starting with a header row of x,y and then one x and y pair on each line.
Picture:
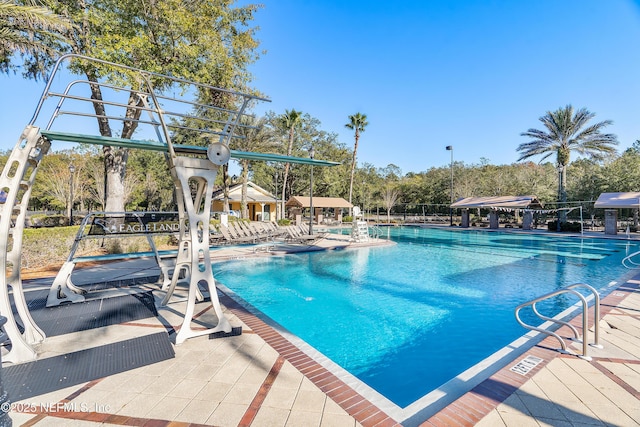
x,y
407,318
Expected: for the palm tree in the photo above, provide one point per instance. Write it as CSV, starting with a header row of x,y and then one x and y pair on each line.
x,y
290,120
357,122
22,29
567,131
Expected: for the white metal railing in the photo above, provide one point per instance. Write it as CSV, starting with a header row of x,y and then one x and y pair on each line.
x,y
374,231
585,318
628,260
168,101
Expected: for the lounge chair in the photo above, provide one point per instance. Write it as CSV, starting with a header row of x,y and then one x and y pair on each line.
x,y
304,229
215,236
232,237
296,235
259,231
238,229
252,229
275,230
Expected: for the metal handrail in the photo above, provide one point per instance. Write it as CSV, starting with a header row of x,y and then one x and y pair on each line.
x,y
167,113
124,68
375,231
585,318
627,260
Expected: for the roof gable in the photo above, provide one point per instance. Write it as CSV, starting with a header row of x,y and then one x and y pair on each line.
x,y
498,202
318,202
618,200
255,193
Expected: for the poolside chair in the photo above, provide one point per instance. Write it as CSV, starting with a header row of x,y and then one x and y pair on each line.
x,y
237,228
232,237
260,231
275,230
304,230
280,230
239,231
215,236
251,229
296,235
268,227
242,229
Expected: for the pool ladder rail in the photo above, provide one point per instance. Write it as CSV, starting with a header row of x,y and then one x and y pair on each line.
x,y
374,231
585,318
628,260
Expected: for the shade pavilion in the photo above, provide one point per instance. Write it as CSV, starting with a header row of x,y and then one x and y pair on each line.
x,y
297,203
611,202
499,203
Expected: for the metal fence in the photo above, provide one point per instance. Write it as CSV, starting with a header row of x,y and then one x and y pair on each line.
x,y
576,211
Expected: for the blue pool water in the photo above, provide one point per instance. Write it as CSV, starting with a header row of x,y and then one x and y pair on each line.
x,y
407,318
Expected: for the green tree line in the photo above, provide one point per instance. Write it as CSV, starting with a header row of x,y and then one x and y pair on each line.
x,y
148,185
214,43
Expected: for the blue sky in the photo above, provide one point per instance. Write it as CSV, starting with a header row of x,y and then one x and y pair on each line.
x,y
473,74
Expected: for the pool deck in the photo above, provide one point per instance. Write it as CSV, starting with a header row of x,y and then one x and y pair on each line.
x,y
126,371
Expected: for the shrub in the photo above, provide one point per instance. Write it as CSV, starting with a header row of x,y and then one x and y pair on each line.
x,y
43,220
284,221
36,220
114,246
573,227
51,245
347,219
42,246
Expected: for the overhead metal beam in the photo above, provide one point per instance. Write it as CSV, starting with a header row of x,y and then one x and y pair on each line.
x,y
178,148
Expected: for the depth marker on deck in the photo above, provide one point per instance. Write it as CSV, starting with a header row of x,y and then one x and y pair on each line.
x,y
524,366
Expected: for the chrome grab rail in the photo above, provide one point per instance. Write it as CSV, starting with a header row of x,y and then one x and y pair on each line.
x,y
585,318
375,231
628,260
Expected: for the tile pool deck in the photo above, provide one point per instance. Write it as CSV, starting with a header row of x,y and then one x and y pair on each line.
x,y
263,378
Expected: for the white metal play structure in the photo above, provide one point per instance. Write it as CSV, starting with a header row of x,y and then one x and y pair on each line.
x,y
161,107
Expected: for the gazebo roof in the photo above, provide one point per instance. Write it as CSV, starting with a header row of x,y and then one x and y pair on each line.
x,y
517,202
618,200
318,202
